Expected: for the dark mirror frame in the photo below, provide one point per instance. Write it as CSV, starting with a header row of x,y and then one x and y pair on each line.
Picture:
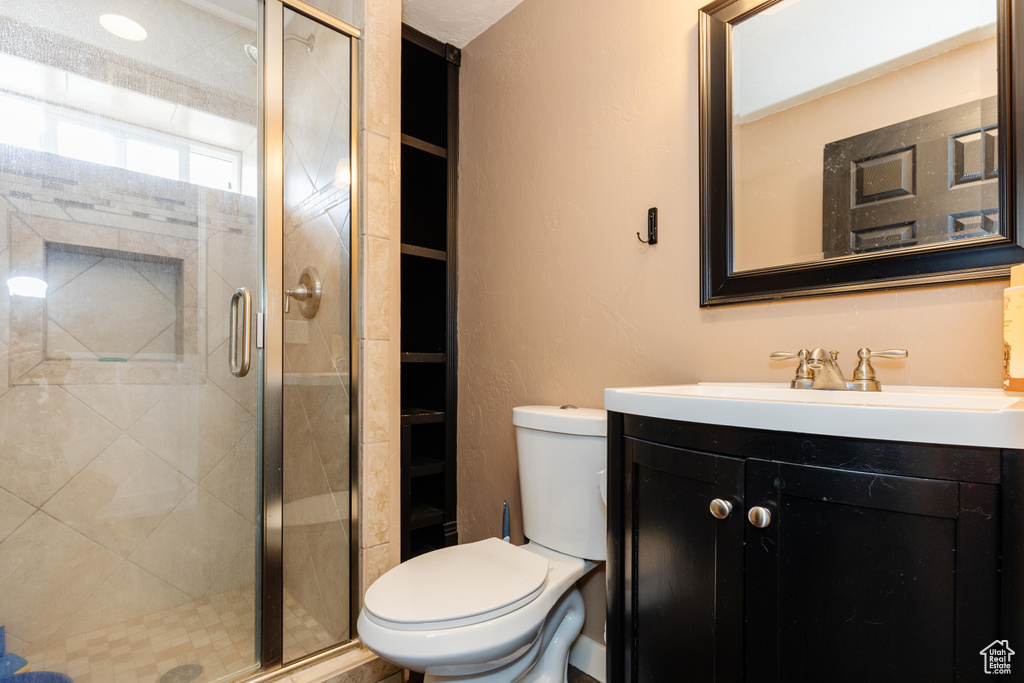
x,y
948,262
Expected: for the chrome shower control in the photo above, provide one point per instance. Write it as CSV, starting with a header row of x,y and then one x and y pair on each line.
x,y
307,293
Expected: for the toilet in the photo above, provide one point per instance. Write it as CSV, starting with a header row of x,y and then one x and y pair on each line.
x,y
491,611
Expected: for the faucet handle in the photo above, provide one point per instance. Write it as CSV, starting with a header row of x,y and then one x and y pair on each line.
x,y
782,355
864,370
803,373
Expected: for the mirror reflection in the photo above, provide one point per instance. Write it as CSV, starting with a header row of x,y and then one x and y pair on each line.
x,y
859,128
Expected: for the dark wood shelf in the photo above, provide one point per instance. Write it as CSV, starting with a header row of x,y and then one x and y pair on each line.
x,y
424,307
422,547
422,467
424,252
419,416
429,300
410,357
424,146
425,515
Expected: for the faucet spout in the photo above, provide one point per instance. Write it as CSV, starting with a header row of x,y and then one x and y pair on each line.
x,y
827,374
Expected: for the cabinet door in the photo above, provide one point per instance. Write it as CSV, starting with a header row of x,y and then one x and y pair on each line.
x,y
864,577
685,566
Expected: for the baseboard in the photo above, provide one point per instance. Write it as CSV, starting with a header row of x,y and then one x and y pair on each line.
x,y
588,656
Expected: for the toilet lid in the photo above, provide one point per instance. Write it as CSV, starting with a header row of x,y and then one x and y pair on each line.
x,y
456,586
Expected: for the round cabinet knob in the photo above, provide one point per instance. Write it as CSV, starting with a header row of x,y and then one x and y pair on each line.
x,y
720,508
759,517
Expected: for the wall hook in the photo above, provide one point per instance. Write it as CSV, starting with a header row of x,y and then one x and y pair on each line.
x,y
652,227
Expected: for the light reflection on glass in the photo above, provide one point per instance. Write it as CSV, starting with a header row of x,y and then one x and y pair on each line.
x,y
27,286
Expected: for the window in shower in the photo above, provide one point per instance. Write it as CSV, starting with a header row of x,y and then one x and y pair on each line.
x,y
96,139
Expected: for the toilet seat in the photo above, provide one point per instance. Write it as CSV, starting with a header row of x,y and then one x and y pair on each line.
x,y
460,651
456,586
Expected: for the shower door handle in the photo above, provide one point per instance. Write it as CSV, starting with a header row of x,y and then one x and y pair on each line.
x,y
240,370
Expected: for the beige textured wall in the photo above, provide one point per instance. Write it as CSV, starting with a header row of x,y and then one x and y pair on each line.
x,y
780,157
576,117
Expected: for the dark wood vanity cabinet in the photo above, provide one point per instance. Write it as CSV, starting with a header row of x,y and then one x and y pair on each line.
x,y
881,561
687,569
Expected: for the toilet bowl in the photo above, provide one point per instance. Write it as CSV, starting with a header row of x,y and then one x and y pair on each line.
x,y
491,611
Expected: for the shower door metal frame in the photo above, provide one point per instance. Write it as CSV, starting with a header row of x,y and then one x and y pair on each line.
x,y
270,579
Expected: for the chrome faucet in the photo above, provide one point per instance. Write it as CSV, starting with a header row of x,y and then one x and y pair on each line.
x,y
818,369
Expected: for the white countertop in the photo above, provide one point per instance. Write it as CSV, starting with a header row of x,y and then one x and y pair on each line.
x,y
939,415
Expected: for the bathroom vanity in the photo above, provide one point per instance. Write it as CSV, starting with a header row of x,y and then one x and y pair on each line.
x,y
762,533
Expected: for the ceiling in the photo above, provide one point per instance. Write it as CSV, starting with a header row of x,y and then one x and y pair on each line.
x,y
189,77
455,21
198,41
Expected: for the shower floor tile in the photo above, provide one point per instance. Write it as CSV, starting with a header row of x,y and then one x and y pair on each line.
x,y
216,632
303,634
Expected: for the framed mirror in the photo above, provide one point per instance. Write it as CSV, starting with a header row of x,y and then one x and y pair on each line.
x,y
853,146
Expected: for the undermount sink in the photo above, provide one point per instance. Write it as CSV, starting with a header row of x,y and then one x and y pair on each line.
x,y
944,415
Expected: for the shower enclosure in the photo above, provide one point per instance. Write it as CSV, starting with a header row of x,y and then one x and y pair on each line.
x,y
177,372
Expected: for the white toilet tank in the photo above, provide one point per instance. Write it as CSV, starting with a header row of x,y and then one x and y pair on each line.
x,y
562,452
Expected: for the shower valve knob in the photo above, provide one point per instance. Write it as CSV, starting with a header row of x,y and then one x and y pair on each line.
x,y
307,293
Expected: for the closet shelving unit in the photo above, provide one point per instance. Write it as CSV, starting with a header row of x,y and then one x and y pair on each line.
x,y
430,88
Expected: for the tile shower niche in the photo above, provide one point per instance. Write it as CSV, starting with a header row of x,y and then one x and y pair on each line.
x,y
139,273
112,306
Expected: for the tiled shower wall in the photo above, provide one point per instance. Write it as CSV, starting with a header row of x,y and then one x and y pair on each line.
x,y
127,479
380,253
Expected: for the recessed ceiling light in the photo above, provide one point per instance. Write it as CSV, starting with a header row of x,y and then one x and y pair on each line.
x,y
123,27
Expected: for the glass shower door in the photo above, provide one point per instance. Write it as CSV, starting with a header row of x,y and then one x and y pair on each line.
x,y
128,450
318,268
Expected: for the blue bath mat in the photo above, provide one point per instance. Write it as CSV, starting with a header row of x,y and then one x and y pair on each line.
x,y
37,677
11,664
